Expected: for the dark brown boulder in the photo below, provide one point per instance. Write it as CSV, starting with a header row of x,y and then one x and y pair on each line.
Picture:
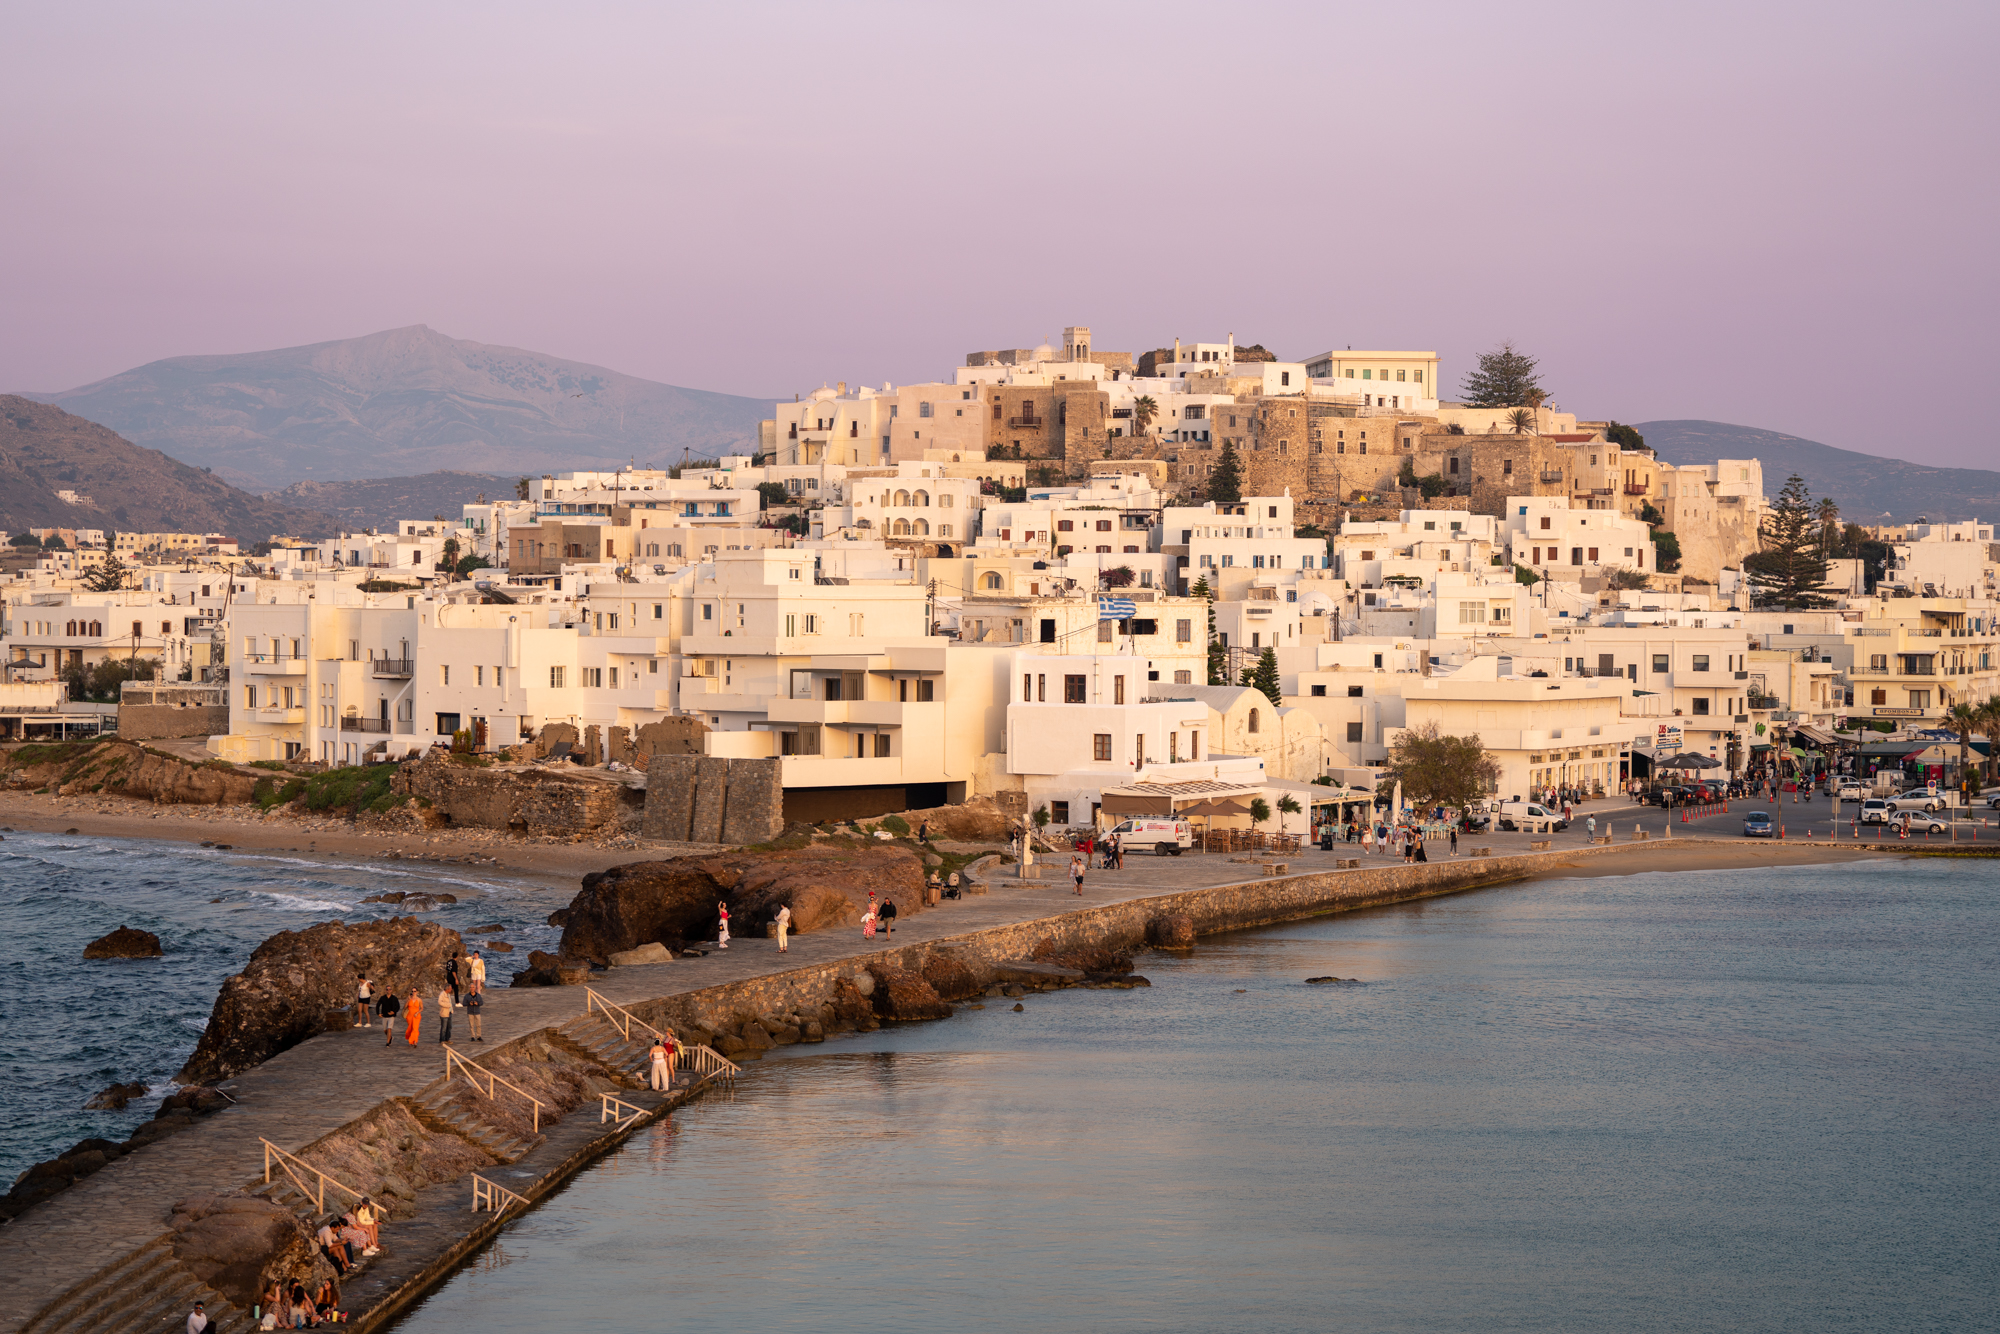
x,y
296,979
951,977
124,943
114,1098
905,995
1171,933
674,901
240,1244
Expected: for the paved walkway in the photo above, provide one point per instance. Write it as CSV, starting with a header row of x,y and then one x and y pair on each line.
x,y
320,1085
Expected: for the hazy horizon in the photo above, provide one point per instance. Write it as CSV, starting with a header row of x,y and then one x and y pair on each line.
x,y
1691,213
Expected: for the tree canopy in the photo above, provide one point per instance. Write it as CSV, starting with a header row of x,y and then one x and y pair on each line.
x,y
772,493
1625,437
1791,569
1505,379
1435,769
1264,676
106,577
1225,482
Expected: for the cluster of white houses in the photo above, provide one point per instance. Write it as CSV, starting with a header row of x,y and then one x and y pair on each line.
x,y
942,628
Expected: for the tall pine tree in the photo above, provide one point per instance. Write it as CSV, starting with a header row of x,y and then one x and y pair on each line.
x,y
1505,379
1225,480
1791,569
1218,656
1264,676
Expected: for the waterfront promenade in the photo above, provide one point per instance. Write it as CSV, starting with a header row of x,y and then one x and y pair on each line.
x,y
321,1085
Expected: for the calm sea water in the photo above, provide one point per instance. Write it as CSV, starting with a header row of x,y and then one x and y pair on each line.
x,y
1718,1101
71,1028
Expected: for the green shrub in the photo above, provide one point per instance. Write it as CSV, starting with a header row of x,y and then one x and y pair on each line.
x,y
51,752
277,766
354,787
896,824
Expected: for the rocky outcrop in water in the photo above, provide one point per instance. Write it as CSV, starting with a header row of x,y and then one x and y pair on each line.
x,y
671,902
299,983
124,943
114,1098
904,995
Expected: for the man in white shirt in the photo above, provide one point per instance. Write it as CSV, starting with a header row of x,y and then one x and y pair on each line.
x,y
197,1319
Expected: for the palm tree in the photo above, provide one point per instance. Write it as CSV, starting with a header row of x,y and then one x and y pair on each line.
x,y
1522,420
1989,727
1144,409
1260,811
1829,525
1964,719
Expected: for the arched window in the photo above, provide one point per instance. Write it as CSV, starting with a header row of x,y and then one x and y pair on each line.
x,y
920,498
920,527
902,528
97,629
992,580
902,498
1254,720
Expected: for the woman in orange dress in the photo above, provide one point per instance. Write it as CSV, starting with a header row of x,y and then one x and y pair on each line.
x,y
413,1010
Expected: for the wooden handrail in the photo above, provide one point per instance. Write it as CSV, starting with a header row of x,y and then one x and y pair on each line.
x,y
705,1060
606,1104
489,1195
491,1080
315,1193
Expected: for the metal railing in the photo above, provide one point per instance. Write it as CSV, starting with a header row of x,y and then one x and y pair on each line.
x,y
609,1108
492,1195
315,1192
364,724
1019,423
473,1074
393,666
702,1060
1552,477
1636,488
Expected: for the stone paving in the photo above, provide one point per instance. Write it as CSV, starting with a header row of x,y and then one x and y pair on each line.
x,y
320,1085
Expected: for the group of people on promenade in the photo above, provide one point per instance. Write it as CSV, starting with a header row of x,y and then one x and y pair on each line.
x,y
1379,836
464,988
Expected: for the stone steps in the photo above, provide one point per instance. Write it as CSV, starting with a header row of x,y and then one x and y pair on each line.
x,y
435,1108
148,1291
599,1038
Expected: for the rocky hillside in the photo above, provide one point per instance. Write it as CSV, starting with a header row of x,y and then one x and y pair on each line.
x,y
1863,485
119,485
380,501
407,401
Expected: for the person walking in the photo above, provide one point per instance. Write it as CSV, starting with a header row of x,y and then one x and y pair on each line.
x,y
868,919
1367,840
364,993
1452,834
1076,874
924,833
1591,825
477,969
1409,845
473,1005
413,1016
784,925
888,916
722,931
451,976
446,1004
659,1080
388,1007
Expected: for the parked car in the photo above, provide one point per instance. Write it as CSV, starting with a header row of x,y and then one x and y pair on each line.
x,y
1169,837
1915,823
1874,811
1994,801
1923,799
1758,824
1851,791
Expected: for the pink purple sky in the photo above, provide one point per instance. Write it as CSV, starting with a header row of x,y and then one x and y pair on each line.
x,y
1781,216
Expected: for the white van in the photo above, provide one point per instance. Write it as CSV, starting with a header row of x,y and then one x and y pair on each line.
x,y
1168,837
1529,817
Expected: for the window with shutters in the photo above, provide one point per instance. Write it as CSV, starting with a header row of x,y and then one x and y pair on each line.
x,y
1100,746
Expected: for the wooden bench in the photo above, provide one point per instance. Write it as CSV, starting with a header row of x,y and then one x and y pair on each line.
x,y
1277,868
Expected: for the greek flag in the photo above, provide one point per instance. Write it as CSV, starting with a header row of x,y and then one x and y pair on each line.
x,y
1116,609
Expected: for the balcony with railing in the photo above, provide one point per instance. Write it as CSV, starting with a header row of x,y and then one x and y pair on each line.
x,y
1637,488
1025,423
364,724
403,667
1551,477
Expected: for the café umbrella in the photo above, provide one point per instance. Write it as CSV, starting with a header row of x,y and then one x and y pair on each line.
x,y
1690,762
1208,810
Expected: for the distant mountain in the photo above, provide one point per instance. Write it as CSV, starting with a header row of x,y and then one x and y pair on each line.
x,y
1863,485
381,501
407,401
118,485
